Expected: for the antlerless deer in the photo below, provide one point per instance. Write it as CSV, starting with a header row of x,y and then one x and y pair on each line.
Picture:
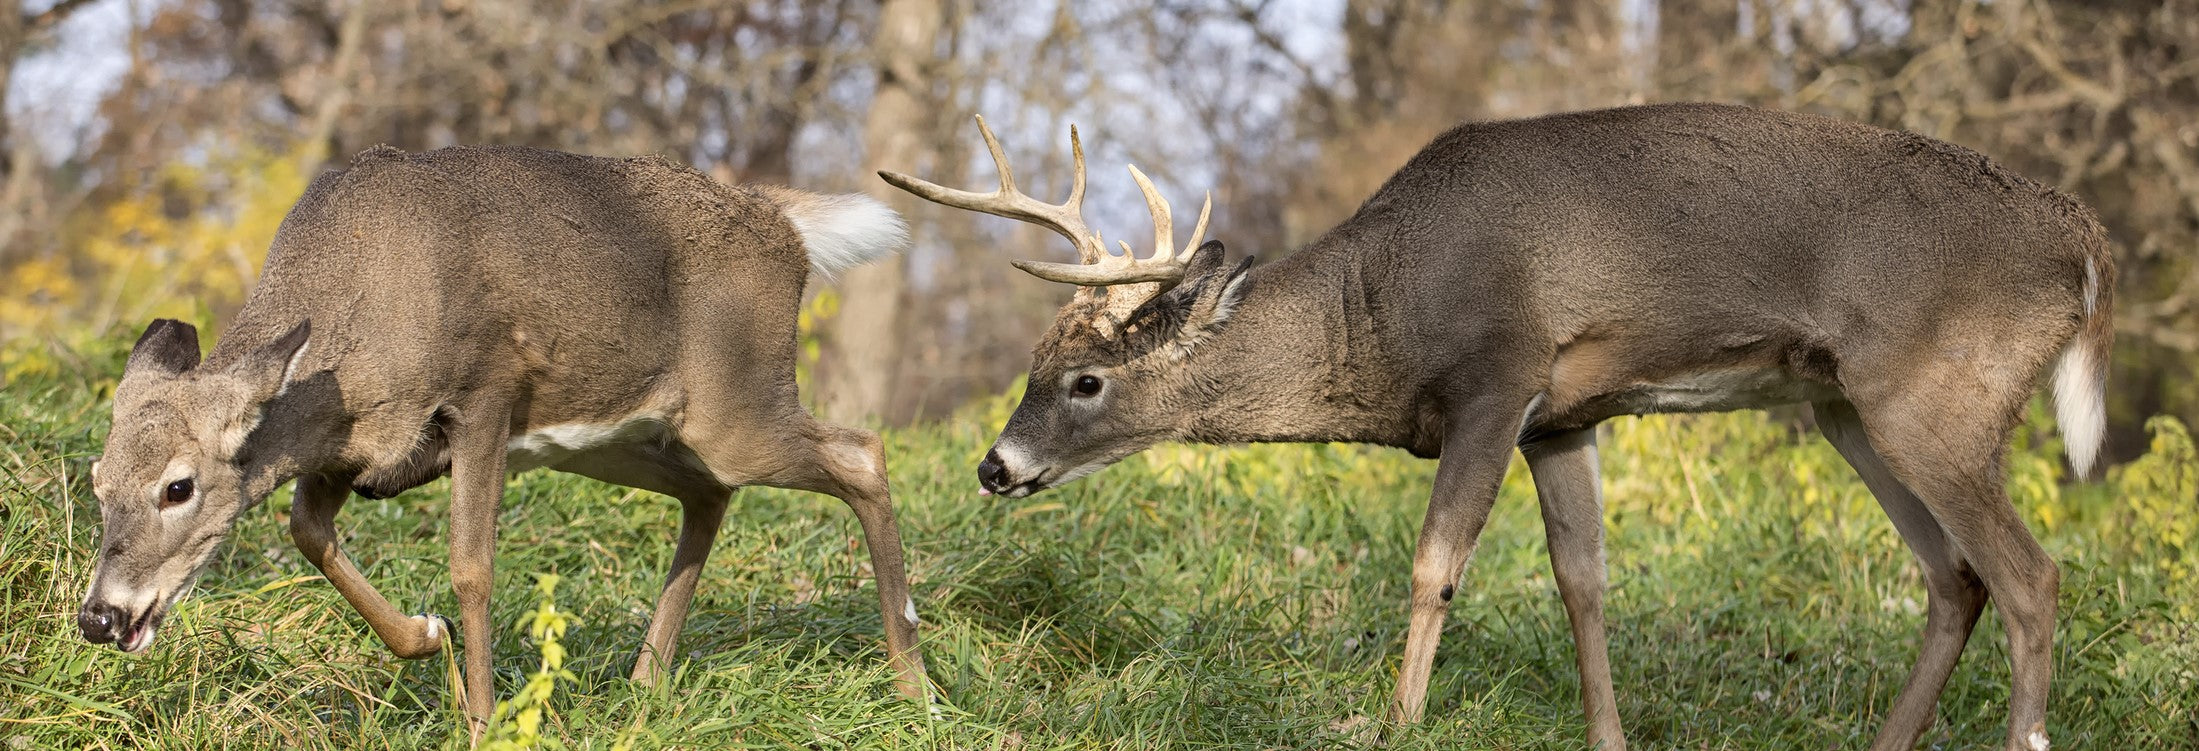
x,y
1518,282
478,311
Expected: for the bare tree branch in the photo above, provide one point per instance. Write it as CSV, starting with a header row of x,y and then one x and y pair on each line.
x,y
37,22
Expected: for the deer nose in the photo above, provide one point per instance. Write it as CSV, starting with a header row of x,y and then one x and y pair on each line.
x,y
991,474
99,622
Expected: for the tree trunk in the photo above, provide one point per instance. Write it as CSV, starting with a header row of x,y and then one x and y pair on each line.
x,y
856,383
11,46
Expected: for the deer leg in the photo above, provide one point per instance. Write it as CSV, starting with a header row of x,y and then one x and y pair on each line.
x,y
1944,451
477,491
856,462
1565,473
1955,597
700,516
313,530
1474,456
844,463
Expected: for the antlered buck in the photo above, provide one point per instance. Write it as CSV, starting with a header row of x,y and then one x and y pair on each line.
x,y
478,311
1518,282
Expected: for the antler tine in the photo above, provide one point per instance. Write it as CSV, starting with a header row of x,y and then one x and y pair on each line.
x,y
1133,278
1000,160
1164,224
1198,233
1076,184
1066,219
1137,280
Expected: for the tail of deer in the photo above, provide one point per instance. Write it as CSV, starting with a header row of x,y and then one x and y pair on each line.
x,y
2080,376
841,232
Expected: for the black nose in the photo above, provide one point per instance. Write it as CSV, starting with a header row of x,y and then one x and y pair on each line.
x,y
991,474
99,622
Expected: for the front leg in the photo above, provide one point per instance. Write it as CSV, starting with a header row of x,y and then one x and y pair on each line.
x,y
313,530
477,490
1475,453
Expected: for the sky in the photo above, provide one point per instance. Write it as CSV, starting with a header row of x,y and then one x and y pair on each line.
x,y
55,90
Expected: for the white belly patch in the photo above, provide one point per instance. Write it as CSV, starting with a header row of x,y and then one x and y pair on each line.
x,y
1721,391
550,445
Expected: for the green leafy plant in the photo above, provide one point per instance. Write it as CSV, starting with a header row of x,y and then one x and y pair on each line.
x,y
2161,491
517,724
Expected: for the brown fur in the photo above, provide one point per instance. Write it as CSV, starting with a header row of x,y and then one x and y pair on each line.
x,y
459,299
1525,280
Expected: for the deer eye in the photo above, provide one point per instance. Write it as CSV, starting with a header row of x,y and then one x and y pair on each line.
x,y
177,493
1086,386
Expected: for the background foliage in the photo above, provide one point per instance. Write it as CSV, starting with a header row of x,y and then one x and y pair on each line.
x,y
146,146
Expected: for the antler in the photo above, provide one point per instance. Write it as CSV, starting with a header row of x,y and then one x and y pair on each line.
x,y
1139,279
1008,201
1131,280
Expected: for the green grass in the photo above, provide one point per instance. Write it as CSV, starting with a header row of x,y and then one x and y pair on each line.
x,y
1189,598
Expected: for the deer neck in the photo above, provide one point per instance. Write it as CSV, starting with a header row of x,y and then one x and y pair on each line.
x,y
1304,360
300,431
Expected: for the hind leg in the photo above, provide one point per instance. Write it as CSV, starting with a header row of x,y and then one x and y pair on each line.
x,y
1955,597
856,461
1948,451
1565,474
701,514
746,423
665,469
845,463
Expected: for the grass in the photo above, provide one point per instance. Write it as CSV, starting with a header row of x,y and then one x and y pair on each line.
x,y
1247,597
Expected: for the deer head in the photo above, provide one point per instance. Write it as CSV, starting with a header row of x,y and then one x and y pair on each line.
x,y
1108,379
176,473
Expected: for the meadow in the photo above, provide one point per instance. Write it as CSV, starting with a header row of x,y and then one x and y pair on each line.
x,y
1192,597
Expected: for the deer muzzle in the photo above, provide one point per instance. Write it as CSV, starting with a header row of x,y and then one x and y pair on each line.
x,y
1004,475
103,622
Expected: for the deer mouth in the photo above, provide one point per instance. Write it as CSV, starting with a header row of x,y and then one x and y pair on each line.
x,y
141,632
1025,488
1018,490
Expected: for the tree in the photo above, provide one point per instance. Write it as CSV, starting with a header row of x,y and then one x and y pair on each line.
x,y
866,335
19,170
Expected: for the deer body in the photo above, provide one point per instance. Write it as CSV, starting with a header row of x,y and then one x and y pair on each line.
x,y
476,311
1567,248
568,282
1518,282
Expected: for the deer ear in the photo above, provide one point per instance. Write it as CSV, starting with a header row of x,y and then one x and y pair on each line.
x,y
262,375
270,370
1212,299
1204,262
167,348
1218,294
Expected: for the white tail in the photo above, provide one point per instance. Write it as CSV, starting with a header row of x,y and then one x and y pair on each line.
x,y
842,231
2080,403
2080,376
